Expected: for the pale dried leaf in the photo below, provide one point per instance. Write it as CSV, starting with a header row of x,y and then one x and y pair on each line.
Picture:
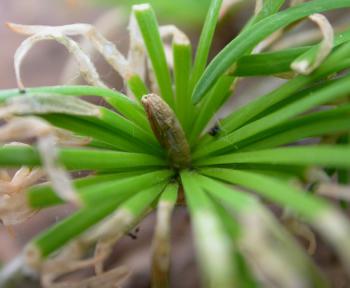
x,y
306,66
58,176
272,258
25,177
68,261
302,230
67,138
48,103
161,243
114,225
334,191
259,4
23,128
108,24
63,262
334,227
14,208
110,53
86,67
109,279
178,36
107,233
137,51
105,47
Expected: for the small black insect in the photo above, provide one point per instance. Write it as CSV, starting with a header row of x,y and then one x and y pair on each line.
x,y
133,235
214,130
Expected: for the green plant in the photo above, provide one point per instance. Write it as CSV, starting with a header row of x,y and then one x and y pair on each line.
x,y
151,151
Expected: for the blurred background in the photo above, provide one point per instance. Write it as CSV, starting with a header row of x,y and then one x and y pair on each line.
x,y
48,58
49,64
